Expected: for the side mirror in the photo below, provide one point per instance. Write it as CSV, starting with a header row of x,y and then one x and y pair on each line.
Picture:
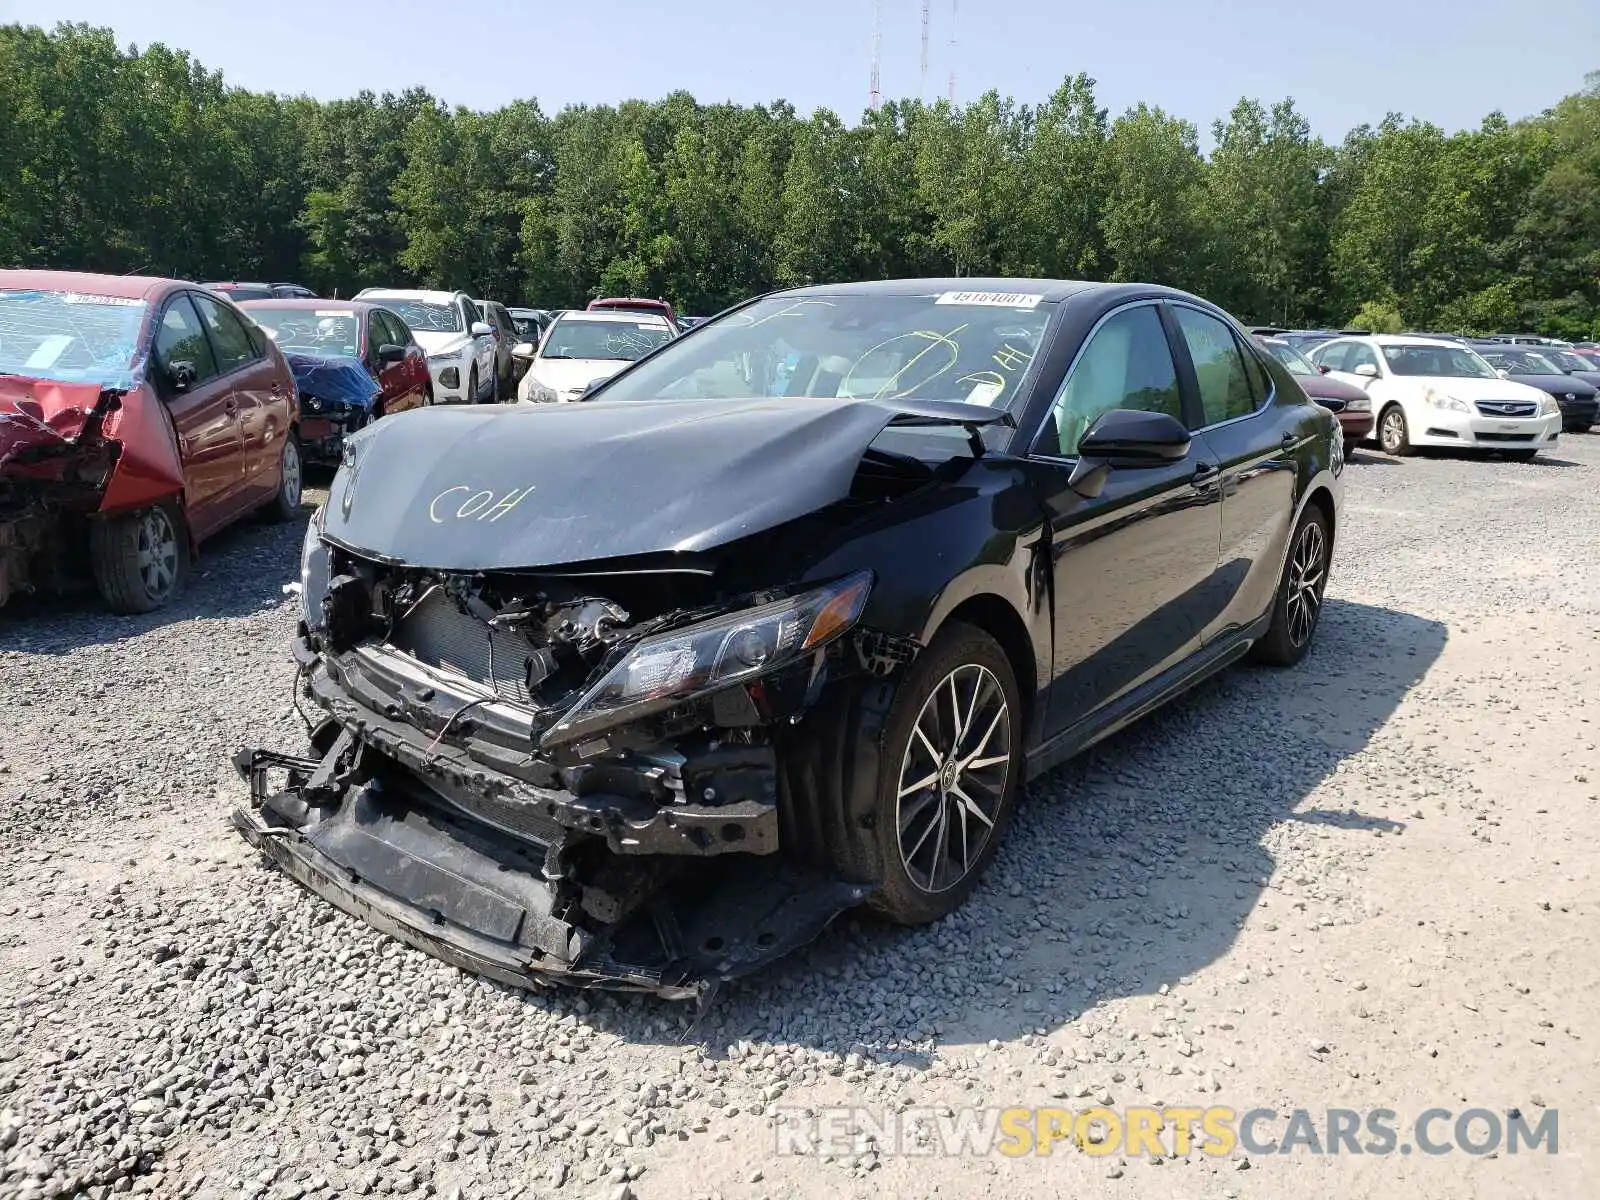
x,y
481,329
181,375
390,353
1125,438
1503,373
1370,370
1323,368
524,350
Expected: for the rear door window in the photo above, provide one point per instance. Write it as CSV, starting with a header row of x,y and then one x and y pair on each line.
x,y
232,344
1218,366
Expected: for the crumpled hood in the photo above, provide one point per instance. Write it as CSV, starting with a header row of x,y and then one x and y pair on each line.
x,y
41,416
497,488
324,378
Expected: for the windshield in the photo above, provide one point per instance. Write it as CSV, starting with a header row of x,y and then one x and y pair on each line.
x,y
576,337
975,347
1522,362
421,316
527,327
1444,362
311,329
1297,363
70,337
1566,360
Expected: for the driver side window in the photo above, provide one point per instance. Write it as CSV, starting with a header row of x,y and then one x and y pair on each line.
x,y
1359,354
181,340
1127,364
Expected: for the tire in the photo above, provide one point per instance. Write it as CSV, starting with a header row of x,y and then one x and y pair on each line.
x,y
427,397
1521,455
925,872
1394,435
472,386
1297,604
1350,445
285,503
140,560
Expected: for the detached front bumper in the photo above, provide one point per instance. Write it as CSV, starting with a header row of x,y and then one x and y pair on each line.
x,y
435,834
322,437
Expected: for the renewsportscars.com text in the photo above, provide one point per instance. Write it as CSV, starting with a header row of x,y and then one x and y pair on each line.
x,y
1170,1132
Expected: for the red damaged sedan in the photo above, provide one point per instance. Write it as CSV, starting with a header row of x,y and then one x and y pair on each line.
x,y
138,416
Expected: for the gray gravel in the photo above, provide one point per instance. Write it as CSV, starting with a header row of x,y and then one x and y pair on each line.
x,y
176,1019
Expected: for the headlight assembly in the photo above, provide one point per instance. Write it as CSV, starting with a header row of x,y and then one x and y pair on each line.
x,y
538,393
670,668
1548,407
1450,403
316,569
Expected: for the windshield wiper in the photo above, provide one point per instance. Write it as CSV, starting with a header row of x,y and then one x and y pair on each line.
x,y
550,356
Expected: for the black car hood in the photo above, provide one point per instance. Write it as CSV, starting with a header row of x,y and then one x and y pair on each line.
x,y
1555,385
484,489
324,379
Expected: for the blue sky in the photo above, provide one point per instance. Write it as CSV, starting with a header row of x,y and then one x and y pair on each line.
x,y
1448,61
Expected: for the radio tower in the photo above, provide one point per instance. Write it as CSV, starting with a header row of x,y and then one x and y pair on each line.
x,y
922,89
954,6
874,95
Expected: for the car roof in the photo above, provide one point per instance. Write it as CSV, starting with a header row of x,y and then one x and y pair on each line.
x,y
354,306
123,287
1048,289
628,318
426,295
1400,339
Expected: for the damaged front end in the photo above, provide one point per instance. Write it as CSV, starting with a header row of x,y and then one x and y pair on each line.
x,y
338,397
544,776
55,462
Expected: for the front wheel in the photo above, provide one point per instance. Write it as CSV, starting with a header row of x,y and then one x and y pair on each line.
x,y
1298,606
1393,433
472,386
139,560
949,776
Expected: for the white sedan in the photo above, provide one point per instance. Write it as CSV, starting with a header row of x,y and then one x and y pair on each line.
x,y
583,348
1431,392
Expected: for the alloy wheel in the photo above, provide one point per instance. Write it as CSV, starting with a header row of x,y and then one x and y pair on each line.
x,y
158,553
1394,430
953,778
1307,573
291,472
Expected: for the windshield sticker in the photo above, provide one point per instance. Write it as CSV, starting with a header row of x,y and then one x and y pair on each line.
x,y
87,298
49,349
992,299
985,392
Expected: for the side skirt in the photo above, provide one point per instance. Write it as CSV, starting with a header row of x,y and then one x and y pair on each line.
x,y
1142,701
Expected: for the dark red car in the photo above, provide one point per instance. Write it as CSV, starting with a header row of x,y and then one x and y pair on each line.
x,y
138,416
658,308
353,362
1349,403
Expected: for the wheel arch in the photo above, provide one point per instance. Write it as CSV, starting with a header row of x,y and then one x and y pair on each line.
x,y
999,618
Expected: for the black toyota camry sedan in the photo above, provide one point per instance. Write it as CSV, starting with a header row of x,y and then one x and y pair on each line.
x,y
643,690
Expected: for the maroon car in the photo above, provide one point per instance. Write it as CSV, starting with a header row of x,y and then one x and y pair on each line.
x,y
353,362
1349,403
138,417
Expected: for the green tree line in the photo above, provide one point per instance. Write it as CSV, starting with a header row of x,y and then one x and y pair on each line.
x,y
125,160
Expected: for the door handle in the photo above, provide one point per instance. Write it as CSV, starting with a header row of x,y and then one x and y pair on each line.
x,y
1289,440
230,406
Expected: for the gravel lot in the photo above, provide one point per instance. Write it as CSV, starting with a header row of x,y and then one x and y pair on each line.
x,y
1360,883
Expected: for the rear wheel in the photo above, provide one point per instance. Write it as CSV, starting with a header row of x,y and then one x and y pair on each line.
x,y
285,505
1393,433
1298,606
949,774
139,560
